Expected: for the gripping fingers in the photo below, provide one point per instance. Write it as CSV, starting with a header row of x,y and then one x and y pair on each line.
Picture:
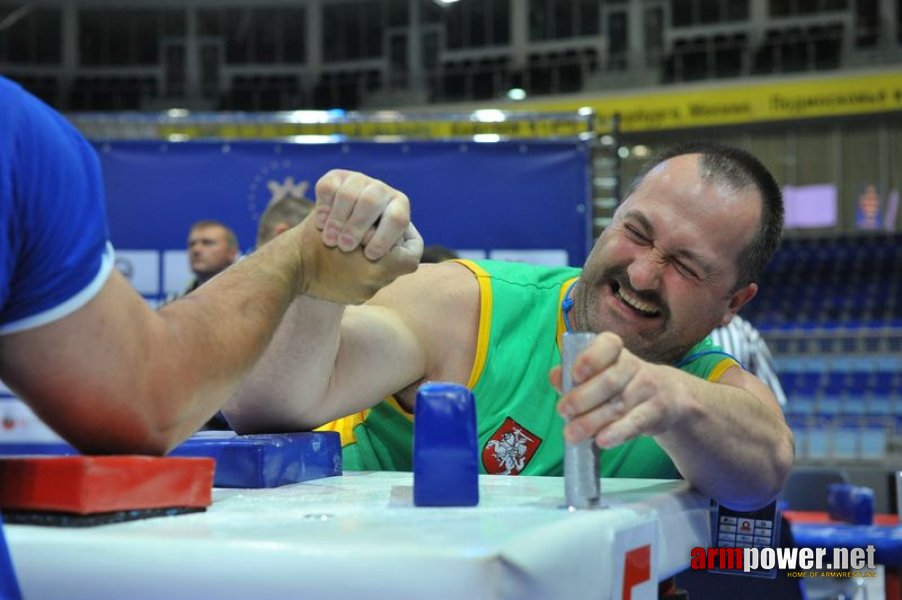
x,y
344,193
326,189
597,391
370,209
412,242
410,248
404,256
590,423
392,226
638,421
604,352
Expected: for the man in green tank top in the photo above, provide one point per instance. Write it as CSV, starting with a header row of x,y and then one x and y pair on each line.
x,y
680,258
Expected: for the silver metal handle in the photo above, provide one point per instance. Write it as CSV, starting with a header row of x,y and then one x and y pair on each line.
x,y
582,485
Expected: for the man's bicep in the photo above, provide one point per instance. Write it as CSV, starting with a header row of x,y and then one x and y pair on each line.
x,y
422,326
379,355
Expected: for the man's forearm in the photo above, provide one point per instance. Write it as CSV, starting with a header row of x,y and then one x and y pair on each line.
x,y
218,332
115,376
285,389
731,445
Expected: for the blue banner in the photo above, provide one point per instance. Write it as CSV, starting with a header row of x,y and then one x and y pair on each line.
x,y
508,199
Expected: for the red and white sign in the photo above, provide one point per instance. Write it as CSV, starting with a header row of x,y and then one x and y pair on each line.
x,y
635,573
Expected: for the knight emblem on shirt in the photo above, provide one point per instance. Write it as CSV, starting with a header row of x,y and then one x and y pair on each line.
x,y
509,449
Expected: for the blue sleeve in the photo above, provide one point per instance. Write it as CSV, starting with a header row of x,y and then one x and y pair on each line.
x,y
53,230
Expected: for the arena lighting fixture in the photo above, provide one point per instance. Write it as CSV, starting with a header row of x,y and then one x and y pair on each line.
x,y
178,113
489,115
308,116
486,138
516,94
315,139
444,2
640,151
387,115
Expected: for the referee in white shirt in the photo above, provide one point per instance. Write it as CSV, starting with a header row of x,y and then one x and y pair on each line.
x,y
744,343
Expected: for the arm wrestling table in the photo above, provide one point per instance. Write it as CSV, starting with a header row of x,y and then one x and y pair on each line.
x,y
359,536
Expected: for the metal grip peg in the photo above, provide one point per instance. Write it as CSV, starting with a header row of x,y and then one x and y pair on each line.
x,y
582,485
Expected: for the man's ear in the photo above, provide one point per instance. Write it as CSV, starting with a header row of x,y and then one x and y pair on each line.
x,y
280,228
738,300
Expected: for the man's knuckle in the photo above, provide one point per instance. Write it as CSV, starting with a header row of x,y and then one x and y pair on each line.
x,y
324,188
330,181
370,196
398,219
401,199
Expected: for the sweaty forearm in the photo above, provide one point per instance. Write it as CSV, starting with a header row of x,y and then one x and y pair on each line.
x,y
730,445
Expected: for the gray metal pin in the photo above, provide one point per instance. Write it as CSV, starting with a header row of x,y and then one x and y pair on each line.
x,y
582,484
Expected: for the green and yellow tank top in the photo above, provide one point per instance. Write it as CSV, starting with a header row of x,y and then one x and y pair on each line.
x,y
520,432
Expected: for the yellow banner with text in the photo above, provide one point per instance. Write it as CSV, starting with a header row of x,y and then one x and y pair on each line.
x,y
773,101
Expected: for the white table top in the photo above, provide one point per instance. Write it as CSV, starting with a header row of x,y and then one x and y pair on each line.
x,y
359,536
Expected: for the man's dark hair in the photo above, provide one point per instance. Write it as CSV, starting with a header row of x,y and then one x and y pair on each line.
x,y
738,169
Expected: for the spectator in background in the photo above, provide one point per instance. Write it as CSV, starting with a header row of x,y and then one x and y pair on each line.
x,y
212,248
281,215
741,340
84,351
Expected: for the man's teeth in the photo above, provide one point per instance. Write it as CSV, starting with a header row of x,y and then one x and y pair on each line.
x,y
644,307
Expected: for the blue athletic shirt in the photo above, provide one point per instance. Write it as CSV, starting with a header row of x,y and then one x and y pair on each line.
x,y
54,250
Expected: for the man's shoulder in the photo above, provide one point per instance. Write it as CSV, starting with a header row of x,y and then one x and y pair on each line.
x,y
20,112
11,93
518,273
706,359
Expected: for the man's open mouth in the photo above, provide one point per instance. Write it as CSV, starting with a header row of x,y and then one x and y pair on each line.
x,y
645,309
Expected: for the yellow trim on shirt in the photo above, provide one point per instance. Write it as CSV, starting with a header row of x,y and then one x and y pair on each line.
x,y
722,367
485,319
561,324
393,402
345,426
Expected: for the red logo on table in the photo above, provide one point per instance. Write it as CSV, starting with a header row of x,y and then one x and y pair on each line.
x,y
510,449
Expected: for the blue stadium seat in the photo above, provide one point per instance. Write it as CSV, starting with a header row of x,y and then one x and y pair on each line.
x,y
874,435
853,404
